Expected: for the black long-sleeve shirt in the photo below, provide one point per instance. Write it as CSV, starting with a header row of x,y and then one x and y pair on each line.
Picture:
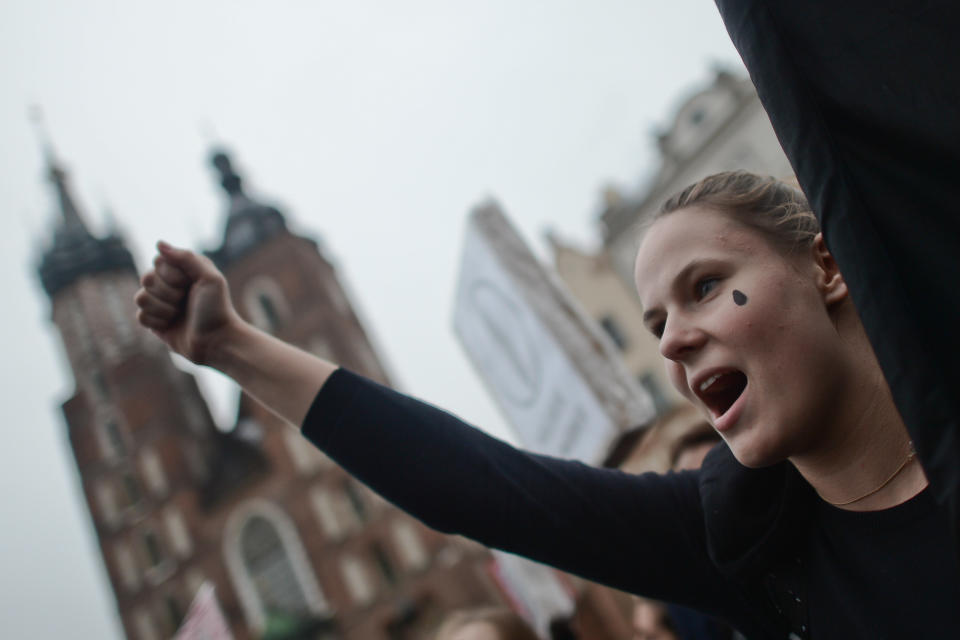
x,y
756,548
864,96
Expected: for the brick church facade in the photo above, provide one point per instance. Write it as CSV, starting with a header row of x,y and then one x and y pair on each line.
x,y
294,547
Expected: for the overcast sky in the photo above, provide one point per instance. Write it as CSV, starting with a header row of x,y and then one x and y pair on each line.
x,y
374,126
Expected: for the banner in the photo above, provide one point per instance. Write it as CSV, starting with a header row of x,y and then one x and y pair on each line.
x,y
204,620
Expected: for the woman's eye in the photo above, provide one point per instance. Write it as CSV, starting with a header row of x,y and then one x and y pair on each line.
x,y
704,287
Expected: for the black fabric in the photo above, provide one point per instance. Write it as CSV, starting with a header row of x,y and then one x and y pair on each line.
x,y
693,625
903,551
767,557
865,99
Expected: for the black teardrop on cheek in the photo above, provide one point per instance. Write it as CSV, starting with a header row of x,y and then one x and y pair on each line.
x,y
739,298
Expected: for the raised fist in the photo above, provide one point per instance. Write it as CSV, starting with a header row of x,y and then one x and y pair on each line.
x,y
185,301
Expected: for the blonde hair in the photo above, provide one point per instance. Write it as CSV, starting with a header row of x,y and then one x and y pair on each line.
x,y
773,207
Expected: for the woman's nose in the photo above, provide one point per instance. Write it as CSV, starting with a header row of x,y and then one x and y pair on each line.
x,y
680,340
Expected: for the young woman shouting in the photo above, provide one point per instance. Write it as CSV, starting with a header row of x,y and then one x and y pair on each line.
x,y
813,520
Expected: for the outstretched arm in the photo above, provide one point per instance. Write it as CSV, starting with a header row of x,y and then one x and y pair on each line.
x,y
640,533
185,301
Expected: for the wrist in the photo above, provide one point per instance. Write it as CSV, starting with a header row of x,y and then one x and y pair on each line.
x,y
227,345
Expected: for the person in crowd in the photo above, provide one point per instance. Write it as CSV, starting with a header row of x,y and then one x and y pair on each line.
x,y
652,622
691,449
489,623
562,627
688,454
811,520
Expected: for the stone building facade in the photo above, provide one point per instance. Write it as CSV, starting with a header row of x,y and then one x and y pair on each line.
x,y
294,547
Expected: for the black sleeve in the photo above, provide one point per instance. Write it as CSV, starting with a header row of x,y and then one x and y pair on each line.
x,y
639,533
865,99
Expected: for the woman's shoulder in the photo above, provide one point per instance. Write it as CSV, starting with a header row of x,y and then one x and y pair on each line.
x,y
751,515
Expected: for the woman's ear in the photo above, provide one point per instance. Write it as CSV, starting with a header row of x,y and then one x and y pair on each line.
x,y
830,281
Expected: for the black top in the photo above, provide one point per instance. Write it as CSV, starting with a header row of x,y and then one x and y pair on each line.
x,y
865,99
756,548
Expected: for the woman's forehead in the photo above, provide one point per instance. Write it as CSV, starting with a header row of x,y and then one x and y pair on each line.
x,y
687,230
683,237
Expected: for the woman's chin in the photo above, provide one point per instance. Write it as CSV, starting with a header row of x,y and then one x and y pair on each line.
x,y
754,457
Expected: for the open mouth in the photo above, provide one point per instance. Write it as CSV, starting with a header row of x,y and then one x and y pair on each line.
x,y
720,390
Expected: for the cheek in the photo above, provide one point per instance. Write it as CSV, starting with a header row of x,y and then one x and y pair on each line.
x,y
677,377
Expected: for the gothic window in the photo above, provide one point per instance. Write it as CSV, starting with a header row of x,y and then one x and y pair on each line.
x,y
152,549
357,579
177,532
265,304
126,566
107,501
409,545
270,569
356,501
384,564
112,442
131,490
338,509
614,331
268,566
326,512
153,471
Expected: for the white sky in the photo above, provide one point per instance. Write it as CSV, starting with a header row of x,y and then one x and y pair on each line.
x,y
374,125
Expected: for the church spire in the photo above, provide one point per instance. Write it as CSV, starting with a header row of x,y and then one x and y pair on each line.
x,y
249,223
75,252
229,180
68,208
58,176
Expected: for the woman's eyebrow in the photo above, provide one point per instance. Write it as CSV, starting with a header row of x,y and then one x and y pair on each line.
x,y
675,284
681,276
693,265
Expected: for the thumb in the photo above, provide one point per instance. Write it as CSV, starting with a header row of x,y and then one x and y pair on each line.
x,y
193,265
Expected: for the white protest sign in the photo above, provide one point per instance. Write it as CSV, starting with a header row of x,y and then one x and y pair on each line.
x,y
563,395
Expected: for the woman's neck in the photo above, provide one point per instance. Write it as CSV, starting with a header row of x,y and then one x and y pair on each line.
x,y
865,460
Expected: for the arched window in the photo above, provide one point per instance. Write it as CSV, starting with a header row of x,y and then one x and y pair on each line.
x,y
268,565
270,569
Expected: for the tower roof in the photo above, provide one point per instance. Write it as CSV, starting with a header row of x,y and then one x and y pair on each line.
x,y
249,222
75,252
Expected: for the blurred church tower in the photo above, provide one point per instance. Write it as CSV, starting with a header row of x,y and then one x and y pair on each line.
x,y
294,547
